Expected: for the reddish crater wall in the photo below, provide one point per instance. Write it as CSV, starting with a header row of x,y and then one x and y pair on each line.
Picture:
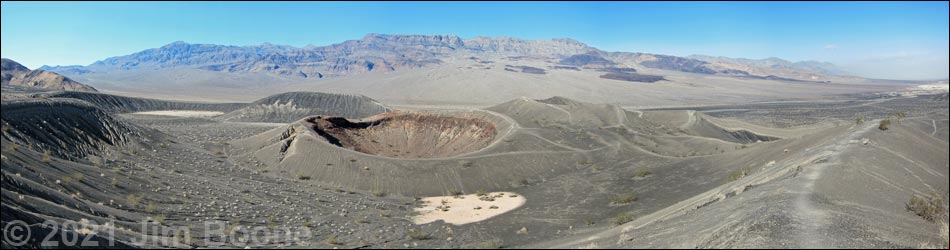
x,y
407,135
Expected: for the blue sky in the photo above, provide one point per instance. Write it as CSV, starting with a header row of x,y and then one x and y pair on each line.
x,y
897,40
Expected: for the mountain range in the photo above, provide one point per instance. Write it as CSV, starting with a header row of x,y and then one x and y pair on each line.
x,y
379,52
399,67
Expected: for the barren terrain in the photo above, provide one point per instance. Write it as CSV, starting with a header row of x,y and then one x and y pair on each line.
x,y
780,174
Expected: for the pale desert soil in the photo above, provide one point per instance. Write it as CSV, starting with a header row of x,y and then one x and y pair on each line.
x,y
182,113
467,208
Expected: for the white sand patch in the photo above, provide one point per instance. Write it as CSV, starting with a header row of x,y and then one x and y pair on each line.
x,y
261,124
936,86
182,113
461,210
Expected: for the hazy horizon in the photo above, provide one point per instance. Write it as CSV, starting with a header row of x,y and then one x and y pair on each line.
x,y
885,40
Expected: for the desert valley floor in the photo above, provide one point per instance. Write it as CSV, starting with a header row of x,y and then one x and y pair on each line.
x,y
526,173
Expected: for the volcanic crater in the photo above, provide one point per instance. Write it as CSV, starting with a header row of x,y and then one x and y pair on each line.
x,y
408,135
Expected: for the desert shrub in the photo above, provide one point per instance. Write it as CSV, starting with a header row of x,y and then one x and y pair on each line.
x,y
945,233
885,124
738,174
66,180
589,222
46,157
642,173
491,244
900,115
78,177
151,207
159,218
332,240
624,199
380,193
623,218
481,193
134,200
931,209
303,178
419,235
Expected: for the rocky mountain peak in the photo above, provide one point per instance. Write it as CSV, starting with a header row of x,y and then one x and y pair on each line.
x,y
414,40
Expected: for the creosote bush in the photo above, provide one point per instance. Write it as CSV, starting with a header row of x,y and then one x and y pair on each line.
x,y
624,199
643,173
419,235
885,124
945,233
134,200
931,208
332,240
623,218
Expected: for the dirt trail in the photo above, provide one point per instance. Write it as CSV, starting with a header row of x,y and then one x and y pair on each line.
x,y
570,117
814,219
512,127
639,114
692,119
935,128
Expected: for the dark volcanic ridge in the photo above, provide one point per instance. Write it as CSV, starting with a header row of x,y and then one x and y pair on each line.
x,y
122,104
293,106
407,135
281,108
67,129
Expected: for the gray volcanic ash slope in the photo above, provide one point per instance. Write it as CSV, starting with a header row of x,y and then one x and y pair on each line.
x,y
581,157
281,108
293,106
68,162
14,74
63,128
122,104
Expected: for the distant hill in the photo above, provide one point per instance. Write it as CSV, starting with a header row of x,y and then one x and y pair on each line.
x,y
293,106
15,74
804,70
